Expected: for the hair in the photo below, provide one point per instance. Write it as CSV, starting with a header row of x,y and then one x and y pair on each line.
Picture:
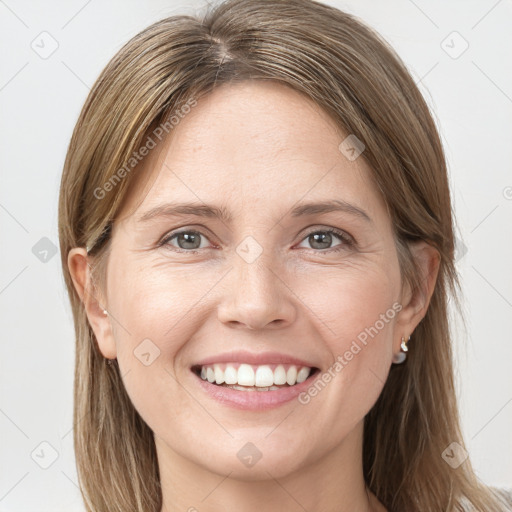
x,y
358,79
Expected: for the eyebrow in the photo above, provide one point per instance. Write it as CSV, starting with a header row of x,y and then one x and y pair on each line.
x,y
211,211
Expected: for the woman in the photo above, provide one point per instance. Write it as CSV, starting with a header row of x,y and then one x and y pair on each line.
x,y
256,235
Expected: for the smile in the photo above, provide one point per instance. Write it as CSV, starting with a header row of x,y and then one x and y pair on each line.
x,y
246,377
255,387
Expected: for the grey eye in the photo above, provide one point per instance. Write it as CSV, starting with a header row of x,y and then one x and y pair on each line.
x,y
323,238
186,240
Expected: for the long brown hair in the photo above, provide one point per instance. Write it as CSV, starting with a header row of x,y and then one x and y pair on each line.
x,y
357,78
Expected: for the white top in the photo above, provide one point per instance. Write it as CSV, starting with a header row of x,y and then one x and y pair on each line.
x,y
505,499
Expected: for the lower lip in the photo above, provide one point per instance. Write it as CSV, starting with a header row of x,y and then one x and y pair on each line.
x,y
254,400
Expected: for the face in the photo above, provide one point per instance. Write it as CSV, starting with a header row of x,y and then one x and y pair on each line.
x,y
271,283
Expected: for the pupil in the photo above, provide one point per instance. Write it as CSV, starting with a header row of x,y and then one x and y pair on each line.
x,y
189,238
318,236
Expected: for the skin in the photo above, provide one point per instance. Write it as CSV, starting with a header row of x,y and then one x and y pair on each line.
x,y
257,149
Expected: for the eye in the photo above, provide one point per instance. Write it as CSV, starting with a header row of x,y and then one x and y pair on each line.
x,y
187,240
323,238
320,240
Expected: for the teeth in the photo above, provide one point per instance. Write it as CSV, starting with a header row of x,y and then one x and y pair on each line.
x,y
291,375
261,378
264,377
219,374
245,375
253,388
303,374
280,375
230,375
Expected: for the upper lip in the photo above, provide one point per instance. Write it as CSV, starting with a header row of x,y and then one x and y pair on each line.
x,y
242,356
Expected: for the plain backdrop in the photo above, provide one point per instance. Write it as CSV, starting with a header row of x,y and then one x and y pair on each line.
x,y
459,52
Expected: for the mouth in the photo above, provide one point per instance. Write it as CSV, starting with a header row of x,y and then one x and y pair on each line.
x,y
249,377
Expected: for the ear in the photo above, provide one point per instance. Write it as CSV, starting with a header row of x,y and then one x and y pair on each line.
x,y
93,300
415,302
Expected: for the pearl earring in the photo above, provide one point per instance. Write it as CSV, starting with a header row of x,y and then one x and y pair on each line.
x,y
105,312
401,356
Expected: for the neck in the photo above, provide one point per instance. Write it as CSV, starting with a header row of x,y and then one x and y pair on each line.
x,y
331,482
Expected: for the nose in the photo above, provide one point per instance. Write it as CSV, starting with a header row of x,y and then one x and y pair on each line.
x,y
256,297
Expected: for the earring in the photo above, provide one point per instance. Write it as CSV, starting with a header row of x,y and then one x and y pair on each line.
x,y
401,356
105,312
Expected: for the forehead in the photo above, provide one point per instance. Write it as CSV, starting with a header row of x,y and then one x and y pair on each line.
x,y
252,145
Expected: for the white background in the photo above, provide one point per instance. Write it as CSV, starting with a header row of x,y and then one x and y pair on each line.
x,y
471,97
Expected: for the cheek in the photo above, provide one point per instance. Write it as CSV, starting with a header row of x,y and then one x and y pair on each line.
x,y
157,310
158,302
356,319
351,304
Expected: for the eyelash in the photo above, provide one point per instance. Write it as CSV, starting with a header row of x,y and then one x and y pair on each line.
x,y
348,241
